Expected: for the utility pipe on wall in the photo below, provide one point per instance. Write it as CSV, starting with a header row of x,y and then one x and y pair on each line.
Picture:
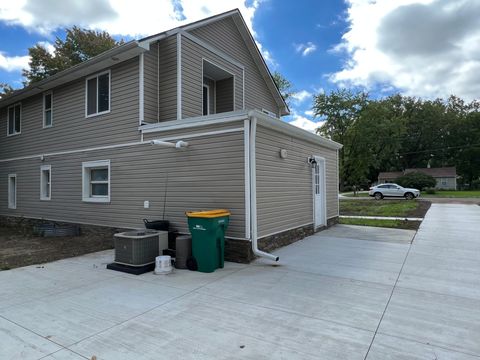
x,y
253,192
178,145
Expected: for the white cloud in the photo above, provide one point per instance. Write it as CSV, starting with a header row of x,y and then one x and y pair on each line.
x,y
13,63
428,48
309,113
305,49
301,96
118,17
122,17
304,123
48,46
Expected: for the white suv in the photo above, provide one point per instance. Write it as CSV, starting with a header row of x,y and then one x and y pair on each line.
x,y
393,190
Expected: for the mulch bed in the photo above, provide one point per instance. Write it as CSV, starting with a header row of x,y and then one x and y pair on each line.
x,y
21,249
421,210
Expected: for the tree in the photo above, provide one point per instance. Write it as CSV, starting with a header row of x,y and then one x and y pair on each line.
x,y
79,45
340,109
284,86
5,89
416,180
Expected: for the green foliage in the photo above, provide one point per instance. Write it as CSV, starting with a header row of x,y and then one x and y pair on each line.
x,y
396,208
396,224
399,132
430,191
79,45
5,89
284,86
416,180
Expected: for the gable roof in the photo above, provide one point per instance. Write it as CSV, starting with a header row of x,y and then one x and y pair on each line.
x,y
390,174
435,172
134,48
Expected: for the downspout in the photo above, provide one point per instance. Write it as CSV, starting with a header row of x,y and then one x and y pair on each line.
x,y
253,191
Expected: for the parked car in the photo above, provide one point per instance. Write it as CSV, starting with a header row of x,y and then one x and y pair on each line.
x,y
393,190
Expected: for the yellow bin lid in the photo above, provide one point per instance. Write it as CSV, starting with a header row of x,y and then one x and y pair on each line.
x,y
208,213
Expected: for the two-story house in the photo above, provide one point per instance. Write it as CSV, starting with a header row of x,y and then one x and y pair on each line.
x,y
187,119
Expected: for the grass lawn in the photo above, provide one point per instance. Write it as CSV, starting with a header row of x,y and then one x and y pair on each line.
x,y
398,208
398,224
454,194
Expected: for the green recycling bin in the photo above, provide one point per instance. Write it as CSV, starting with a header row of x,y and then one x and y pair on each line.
x,y
208,237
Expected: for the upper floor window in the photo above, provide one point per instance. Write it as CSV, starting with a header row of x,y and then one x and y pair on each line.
x,y
14,119
47,109
97,94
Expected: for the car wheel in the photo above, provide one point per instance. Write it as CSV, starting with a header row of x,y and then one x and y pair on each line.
x,y
378,196
409,196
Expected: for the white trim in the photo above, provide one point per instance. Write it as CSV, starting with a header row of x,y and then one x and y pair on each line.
x,y
208,133
8,119
12,204
243,89
179,76
208,98
323,190
338,184
109,93
50,92
269,113
246,146
136,143
158,81
212,49
197,121
49,169
141,89
227,71
209,20
288,229
87,166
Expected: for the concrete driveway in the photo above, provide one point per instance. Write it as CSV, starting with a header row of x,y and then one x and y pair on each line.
x,y
345,293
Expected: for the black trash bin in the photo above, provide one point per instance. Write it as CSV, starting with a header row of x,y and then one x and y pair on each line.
x,y
162,225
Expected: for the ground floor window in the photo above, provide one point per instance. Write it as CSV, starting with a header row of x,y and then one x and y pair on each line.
x,y
96,181
12,191
45,182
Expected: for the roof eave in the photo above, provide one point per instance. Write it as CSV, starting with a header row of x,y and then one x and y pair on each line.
x,y
107,59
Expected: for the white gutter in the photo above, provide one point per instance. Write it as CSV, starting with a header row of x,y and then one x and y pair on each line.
x,y
253,191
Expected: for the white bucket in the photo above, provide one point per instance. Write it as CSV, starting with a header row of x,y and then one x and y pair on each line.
x,y
163,265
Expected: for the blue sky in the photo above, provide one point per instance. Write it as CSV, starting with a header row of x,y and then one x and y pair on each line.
x,y
424,48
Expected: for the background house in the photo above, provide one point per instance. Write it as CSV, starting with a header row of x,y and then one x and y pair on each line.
x,y
96,144
446,177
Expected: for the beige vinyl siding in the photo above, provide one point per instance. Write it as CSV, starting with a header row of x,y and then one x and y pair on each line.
x,y
150,88
192,79
71,129
225,95
168,79
284,186
207,175
224,35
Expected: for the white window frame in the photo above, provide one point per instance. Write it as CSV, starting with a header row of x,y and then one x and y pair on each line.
x,y
109,93
45,126
86,183
208,98
12,203
44,168
8,119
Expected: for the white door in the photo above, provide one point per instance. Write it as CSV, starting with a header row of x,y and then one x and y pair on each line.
x,y
319,193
